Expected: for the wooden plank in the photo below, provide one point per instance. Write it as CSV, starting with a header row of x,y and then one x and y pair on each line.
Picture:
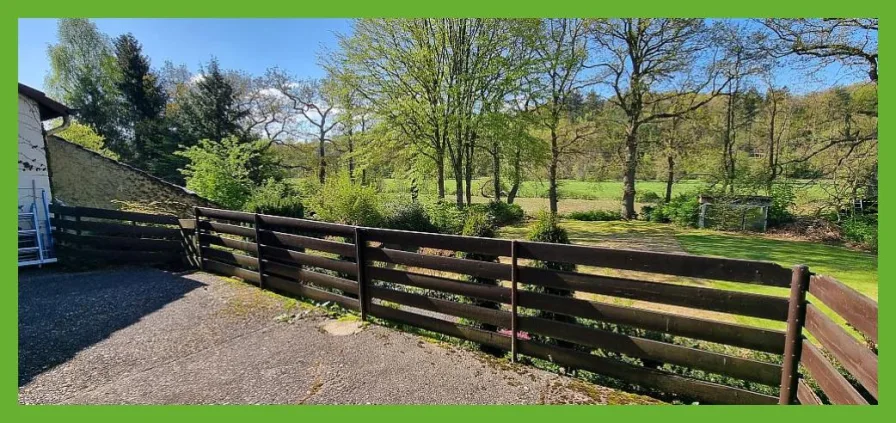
x,y
757,272
478,268
741,368
306,225
284,285
834,385
205,239
476,290
796,317
664,381
734,302
467,311
120,243
221,268
116,229
855,357
187,224
668,382
118,256
227,214
489,246
304,275
805,394
284,240
295,257
230,258
444,327
708,330
859,310
227,228
114,214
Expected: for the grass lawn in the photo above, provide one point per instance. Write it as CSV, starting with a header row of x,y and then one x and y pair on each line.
x,y
854,268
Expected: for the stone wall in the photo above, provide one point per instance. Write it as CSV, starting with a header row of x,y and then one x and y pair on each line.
x,y
80,177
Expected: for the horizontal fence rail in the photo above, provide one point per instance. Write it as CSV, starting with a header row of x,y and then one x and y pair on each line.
x,y
666,337
92,234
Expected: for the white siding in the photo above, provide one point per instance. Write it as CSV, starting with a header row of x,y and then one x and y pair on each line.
x,y
33,169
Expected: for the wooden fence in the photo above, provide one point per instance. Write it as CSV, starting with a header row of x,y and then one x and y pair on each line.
x,y
100,235
418,279
492,292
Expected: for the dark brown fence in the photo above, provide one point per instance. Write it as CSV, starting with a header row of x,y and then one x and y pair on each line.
x,y
418,279
100,235
493,292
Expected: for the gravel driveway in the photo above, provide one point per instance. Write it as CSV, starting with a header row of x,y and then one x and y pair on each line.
x,y
146,336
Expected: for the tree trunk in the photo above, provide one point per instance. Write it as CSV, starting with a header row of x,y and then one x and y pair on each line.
x,y
552,172
440,170
628,177
772,168
351,160
496,170
468,172
670,177
517,176
322,170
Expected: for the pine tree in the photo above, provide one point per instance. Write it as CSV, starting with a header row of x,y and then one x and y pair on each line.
x,y
144,104
212,110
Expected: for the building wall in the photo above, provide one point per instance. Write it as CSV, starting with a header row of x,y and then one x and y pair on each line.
x,y
33,170
81,177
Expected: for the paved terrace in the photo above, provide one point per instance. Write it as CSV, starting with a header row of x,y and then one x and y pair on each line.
x,y
138,335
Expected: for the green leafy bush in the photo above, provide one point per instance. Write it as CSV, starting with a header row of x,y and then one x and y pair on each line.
x,y
275,198
220,171
446,217
595,216
479,223
783,199
648,197
683,210
861,230
339,200
504,213
408,216
547,229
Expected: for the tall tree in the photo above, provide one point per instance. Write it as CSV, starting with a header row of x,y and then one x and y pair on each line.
x,y
144,102
83,74
851,42
652,61
211,109
561,65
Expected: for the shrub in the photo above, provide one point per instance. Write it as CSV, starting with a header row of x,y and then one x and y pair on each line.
x,y
648,197
595,215
683,210
408,216
783,200
504,213
445,217
861,230
340,200
220,172
275,198
479,222
547,229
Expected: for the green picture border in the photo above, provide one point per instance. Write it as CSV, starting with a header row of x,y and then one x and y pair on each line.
x,y
407,8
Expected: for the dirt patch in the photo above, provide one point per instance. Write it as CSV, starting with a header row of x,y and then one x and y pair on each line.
x,y
342,327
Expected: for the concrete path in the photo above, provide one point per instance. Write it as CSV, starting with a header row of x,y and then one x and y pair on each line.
x,y
146,336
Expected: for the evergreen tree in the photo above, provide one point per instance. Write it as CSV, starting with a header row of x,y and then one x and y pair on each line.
x,y
212,110
144,104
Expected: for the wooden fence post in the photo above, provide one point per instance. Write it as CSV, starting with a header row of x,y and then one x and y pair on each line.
x,y
258,253
198,239
363,299
513,300
796,318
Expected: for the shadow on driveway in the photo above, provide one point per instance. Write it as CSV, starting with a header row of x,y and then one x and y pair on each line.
x,y
61,314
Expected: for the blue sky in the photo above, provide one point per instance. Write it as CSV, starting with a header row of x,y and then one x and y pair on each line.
x,y
252,45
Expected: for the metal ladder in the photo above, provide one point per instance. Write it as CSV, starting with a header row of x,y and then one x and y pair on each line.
x,y
35,245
